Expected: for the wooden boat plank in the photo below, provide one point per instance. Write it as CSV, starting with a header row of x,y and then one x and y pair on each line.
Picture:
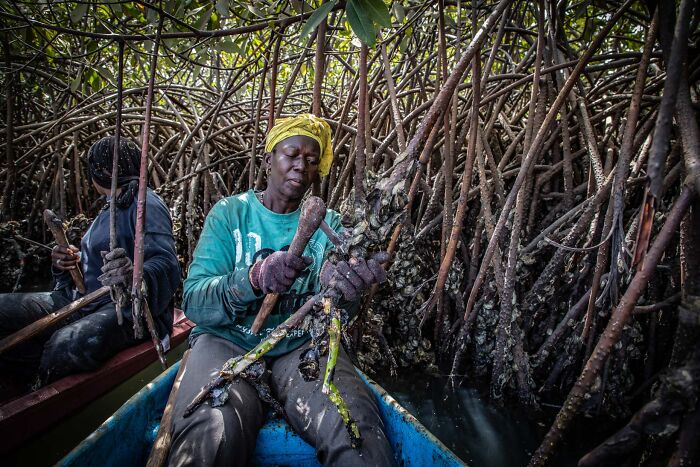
x,y
51,403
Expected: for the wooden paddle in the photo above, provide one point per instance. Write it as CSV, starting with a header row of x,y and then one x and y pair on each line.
x,y
56,227
164,438
49,320
312,213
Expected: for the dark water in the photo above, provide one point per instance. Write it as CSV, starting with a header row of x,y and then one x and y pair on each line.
x,y
479,433
483,434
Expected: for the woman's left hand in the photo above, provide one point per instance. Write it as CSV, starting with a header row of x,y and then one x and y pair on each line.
x,y
118,269
352,277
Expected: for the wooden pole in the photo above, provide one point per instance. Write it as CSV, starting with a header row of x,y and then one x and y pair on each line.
x,y
164,438
49,320
138,301
119,293
312,213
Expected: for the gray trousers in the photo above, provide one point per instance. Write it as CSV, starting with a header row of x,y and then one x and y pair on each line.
x,y
226,435
81,342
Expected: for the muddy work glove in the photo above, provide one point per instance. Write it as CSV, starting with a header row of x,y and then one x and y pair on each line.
x,y
277,272
352,277
118,270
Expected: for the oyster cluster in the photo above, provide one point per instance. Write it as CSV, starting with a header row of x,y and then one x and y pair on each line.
x,y
626,359
76,227
396,306
25,264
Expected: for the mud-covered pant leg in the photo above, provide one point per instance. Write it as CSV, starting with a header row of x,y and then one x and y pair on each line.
x,y
221,436
18,310
316,418
85,344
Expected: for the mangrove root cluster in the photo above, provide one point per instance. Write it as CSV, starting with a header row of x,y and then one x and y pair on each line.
x,y
532,166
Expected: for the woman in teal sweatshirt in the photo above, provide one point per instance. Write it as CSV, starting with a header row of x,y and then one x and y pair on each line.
x,y
241,256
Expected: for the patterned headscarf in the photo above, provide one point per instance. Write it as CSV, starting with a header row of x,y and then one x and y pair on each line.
x,y
304,125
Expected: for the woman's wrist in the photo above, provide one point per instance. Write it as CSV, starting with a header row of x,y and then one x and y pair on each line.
x,y
254,275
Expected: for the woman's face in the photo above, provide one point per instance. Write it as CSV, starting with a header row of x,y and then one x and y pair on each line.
x,y
293,166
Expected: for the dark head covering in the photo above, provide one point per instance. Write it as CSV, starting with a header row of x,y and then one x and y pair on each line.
x,y
100,167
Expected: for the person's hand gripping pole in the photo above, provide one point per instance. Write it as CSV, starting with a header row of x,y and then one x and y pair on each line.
x,y
312,213
56,227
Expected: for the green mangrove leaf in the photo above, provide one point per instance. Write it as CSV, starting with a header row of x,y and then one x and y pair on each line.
x,y
299,6
116,9
94,79
403,46
361,25
316,18
204,19
151,15
92,46
256,11
377,11
75,84
130,10
229,46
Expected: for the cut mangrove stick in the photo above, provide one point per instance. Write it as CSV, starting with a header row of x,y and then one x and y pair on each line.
x,y
350,423
333,344
56,227
235,366
119,293
139,306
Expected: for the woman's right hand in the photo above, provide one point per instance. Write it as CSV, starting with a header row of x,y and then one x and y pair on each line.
x,y
277,272
64,258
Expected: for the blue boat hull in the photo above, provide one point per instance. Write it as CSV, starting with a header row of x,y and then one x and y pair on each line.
x,y
125,439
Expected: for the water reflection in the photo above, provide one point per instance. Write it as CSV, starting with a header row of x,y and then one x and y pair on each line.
x,y
479,433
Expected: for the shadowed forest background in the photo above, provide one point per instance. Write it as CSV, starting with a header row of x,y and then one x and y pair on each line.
x,y
533,167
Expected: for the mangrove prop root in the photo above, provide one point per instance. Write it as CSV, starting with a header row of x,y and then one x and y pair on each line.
x,y
661,417
547,123
613,331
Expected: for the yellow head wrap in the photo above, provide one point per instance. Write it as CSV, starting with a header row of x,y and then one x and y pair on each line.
x,y
304,125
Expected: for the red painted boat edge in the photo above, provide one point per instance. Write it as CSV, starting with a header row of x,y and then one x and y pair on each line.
x,y
32,413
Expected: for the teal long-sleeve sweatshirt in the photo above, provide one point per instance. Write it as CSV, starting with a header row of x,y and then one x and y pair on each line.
x,y
218,297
